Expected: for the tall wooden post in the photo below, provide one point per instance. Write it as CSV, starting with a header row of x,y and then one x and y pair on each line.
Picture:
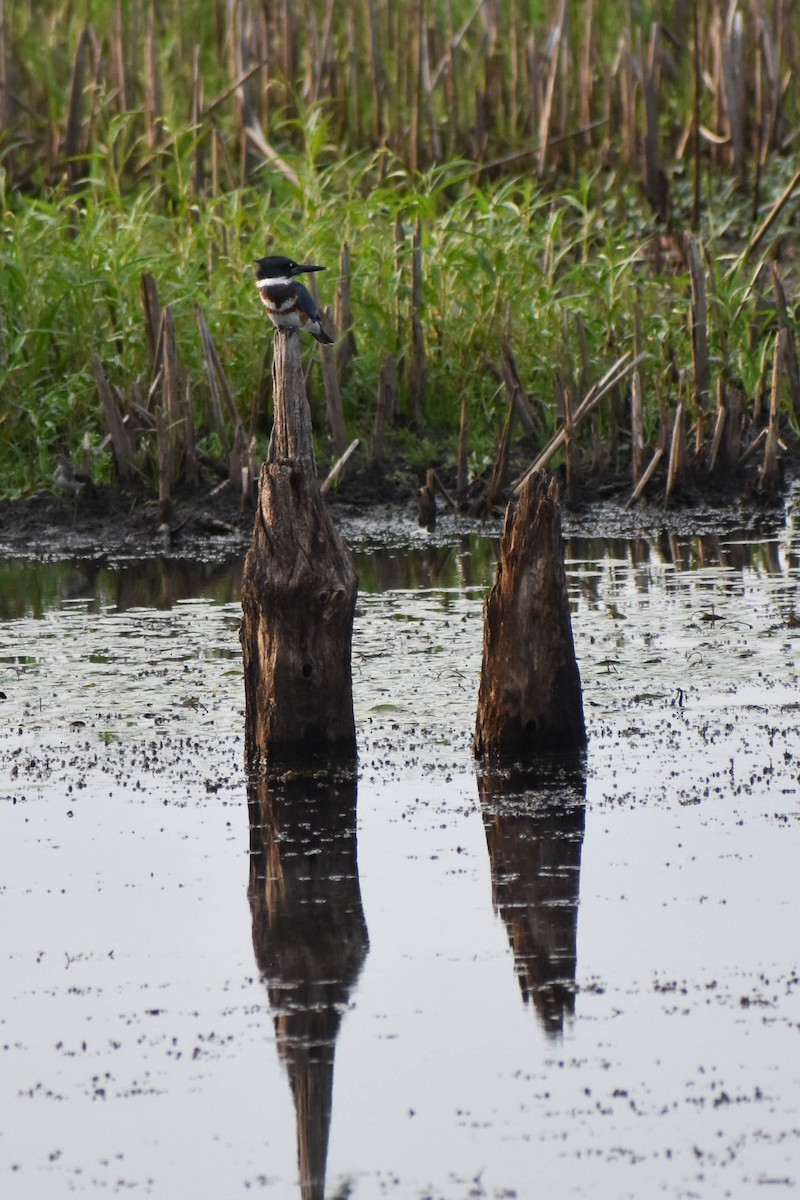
x,y
529,701
298,596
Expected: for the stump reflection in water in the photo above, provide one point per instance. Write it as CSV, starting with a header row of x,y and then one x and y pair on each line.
x,y
534,821
310,939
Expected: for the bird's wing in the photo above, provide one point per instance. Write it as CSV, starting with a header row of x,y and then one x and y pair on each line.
x,y
306,302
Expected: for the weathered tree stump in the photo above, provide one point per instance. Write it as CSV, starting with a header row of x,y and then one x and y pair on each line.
x,y
529,700
298,597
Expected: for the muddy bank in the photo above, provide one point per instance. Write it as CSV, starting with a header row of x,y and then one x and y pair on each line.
x,y
213,523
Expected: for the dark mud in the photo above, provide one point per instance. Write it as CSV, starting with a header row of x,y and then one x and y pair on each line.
x,y
212,523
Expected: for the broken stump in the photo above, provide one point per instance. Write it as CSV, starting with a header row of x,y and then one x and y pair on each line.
x,y
529,700
298,597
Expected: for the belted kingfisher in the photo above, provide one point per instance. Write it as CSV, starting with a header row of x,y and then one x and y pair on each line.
x,y
289,305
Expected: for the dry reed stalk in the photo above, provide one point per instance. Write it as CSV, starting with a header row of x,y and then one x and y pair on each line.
x,y
6,97
732,441
191,466
346,349
339,466
731,58
770,91
197,105
556,35
751,449
656,184
676,470
214,383
399,256
152,317
385,405
766,224
719,425
515,390
586,78
696,101
120,440
71,146
153,102
790,348
426,513
377,75
333,396
499,474
612,378
637,423
769,477
418,368
255,138
462,456
586,357
169,378
353,81
164,466
570,451
647,475
698,325
627,97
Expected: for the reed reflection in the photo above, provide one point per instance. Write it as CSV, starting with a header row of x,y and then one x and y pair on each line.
x,y
534,822
310,939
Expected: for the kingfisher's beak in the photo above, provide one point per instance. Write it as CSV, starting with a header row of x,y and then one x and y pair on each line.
x,y
307,267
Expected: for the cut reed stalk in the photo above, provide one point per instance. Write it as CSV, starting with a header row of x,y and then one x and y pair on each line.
x,y
418,368
769,476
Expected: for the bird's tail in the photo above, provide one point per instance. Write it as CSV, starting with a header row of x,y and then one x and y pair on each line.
x,y
324,338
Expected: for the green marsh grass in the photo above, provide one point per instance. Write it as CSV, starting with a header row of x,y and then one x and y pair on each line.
x,y
549,251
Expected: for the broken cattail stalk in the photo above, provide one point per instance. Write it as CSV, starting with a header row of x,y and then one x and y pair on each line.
x,y
637,424
426,512
646,476
497,479
765,225
656,184
570,451
790,348
120,441
677,455
164,466
769,477
698,323
191,467
384,407
346,349
333,396
418,369
217,383
339,466
547,112
751,449
611,379
71,146
462,471
152,317
513,386
719,425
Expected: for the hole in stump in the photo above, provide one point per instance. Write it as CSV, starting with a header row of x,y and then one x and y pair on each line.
x,y
306,670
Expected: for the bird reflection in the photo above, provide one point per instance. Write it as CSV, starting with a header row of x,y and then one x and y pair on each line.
x,y
310,939
534,823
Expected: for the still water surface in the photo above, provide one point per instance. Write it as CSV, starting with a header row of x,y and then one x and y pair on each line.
x,y
425,982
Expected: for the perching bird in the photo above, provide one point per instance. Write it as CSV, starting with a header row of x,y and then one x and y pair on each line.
x,y
289,305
